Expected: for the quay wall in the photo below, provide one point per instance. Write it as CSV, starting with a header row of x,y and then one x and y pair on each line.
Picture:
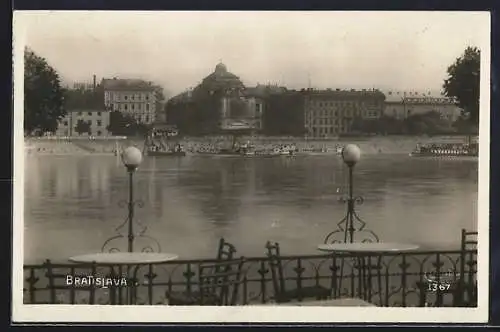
x,y
368,145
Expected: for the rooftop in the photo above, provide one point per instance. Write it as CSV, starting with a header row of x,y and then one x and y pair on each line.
x,y
78,100
338,93
121,84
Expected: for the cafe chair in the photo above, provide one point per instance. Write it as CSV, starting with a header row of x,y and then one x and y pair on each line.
x,y
466,294
62,291
463,289
225,252
283,295
219,284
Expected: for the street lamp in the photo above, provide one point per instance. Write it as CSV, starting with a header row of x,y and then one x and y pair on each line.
x,y
131,158
351,154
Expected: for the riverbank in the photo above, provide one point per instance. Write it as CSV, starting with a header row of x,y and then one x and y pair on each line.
x,y
370,145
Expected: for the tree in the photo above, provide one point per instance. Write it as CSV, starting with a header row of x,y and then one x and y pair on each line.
x,y
82,127
120,124
463,83
43,95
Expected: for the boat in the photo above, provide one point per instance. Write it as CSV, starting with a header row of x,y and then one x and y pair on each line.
x,y
284,150
446,150
160,143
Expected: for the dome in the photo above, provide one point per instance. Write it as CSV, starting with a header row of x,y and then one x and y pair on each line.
x,y
221,79
220,68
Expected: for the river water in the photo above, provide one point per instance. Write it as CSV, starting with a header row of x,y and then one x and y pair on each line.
x,y
72,202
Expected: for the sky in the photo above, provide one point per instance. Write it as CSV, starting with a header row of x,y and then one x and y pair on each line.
x,y
406,51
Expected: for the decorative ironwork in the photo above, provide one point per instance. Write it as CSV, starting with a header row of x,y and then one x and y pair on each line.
x,y
351,224
402,280
149,244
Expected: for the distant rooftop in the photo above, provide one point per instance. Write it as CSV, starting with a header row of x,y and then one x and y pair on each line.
x,y
339,93
398,96
262,90
121,84
84,100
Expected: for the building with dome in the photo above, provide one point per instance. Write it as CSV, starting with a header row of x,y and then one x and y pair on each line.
x,y
220,103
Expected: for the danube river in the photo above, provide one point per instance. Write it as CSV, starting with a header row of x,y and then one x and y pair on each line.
x,y
72,202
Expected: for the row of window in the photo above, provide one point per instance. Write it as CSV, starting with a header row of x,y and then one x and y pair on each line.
x,y
343,103
138,97
144,119
323,121
327,131
98,123
131,107
90,113
330,113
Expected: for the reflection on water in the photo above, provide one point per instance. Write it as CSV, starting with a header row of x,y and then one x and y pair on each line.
x,y
71,203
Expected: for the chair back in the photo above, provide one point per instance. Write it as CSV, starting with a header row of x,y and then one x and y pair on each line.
x,y
63,283
225,250
276,267
468,267
221,280
469,240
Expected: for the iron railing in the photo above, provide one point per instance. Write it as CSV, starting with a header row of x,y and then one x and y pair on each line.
x,y
419,278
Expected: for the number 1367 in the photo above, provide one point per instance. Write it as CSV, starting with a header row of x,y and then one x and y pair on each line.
x,y
434,287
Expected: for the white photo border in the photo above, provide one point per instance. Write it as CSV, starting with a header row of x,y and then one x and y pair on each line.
x,y
244,314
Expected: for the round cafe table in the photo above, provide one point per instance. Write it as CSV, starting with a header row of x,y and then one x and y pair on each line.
x,y
363,253
128,259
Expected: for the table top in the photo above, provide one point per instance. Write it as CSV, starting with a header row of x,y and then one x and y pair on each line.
x,y
375,247
124,258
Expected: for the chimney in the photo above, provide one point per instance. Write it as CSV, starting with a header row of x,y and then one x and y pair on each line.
x,y
94,82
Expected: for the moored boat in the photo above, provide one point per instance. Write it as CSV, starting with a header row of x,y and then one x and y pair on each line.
x,y
446,150
160,143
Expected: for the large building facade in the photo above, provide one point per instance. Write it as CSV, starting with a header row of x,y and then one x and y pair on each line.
x,y
133,97
401,105
96,123
87,114
330,113
219,104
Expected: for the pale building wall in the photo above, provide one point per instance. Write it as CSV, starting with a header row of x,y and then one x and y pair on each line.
x,y
141,105
99,121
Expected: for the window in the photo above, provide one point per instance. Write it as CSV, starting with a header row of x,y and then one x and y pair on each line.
x,y
147,118
125,97
133,106
147,96
79,113
89,122
65,123
89,113
133,97
98,133
147,107
125,107
98,113
99,123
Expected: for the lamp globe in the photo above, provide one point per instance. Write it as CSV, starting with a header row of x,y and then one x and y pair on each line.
x,y
132,158
351,154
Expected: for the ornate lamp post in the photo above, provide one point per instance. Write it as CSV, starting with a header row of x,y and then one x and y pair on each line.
x,y
131,158
351,223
